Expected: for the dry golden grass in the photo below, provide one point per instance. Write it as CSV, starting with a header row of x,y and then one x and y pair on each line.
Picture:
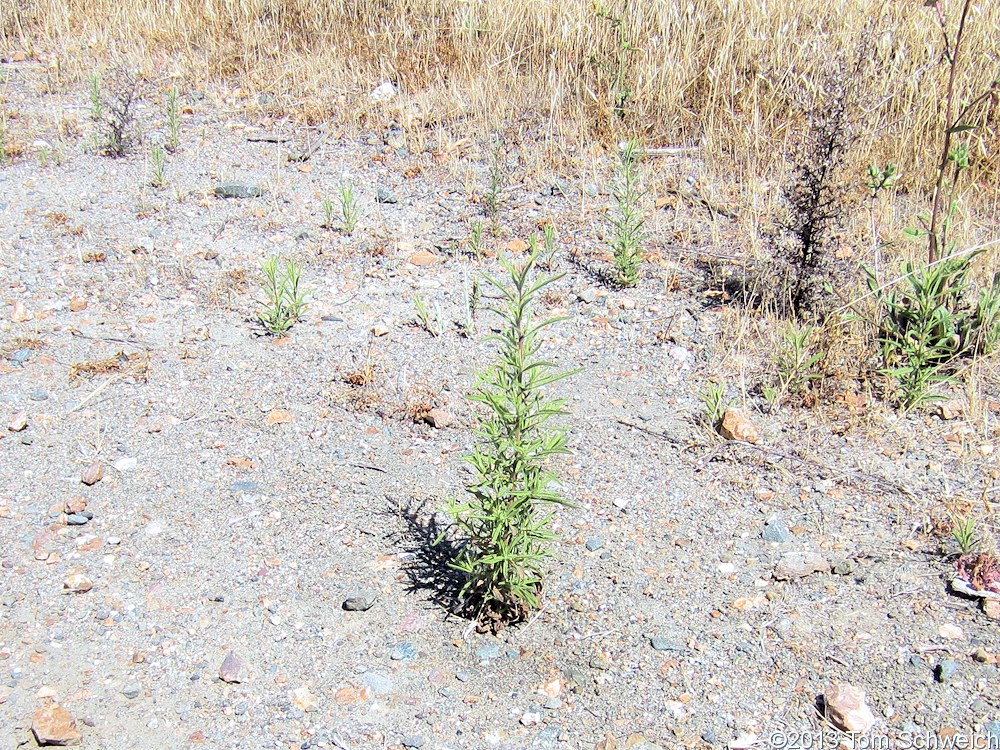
x,y
734,76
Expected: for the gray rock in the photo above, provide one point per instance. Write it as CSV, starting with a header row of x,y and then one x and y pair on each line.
x,y
385,195
594,543
21,356
946,670
844,568
776,530
799,565
243,486
361,601
403,651
236,190
38,395
587,296
665,643
462,676
416,740
488,653
231,667
378,683
591,189
76,519
132,690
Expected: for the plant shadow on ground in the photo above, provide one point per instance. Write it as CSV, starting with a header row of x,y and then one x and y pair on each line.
x,y
428,552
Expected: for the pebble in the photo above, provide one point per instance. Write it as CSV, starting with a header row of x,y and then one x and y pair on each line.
x,y
54,725
776,530
18,422
594,543
531,718
132,690
846,708
235,190
303,699
403,651
230,669
380,684
946,670
385,195
800,564
416,740
92,474
38,396
244,486
76,519
123,465
665,643
359,602
488,653
77,583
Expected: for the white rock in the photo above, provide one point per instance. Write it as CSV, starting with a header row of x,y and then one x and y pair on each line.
x,y
847,709
383,93
126,464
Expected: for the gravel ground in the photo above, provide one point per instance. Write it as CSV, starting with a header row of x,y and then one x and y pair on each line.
x,y
249,490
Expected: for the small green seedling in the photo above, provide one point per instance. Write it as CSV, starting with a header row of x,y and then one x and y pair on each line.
x,y
284,301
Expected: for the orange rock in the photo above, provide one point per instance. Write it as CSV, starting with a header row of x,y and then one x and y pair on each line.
x,y
93,473
76,304
18,422
53,725
517,246
19,313
278,417
847,709
736,425
77,583
424,258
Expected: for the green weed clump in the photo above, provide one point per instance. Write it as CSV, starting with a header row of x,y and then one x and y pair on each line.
x,y
504,520
931,322
284,301
627,233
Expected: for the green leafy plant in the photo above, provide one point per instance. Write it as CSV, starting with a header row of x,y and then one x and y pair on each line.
x,y
158,165
471,294
713,396
964,533
350,212
931,322
284,301
96,99
476,246
173,120
504,521
432,323
794,364
626,219
548,256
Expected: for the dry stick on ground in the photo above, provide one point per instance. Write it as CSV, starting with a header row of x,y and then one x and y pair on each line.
x,y
850,473
766,452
